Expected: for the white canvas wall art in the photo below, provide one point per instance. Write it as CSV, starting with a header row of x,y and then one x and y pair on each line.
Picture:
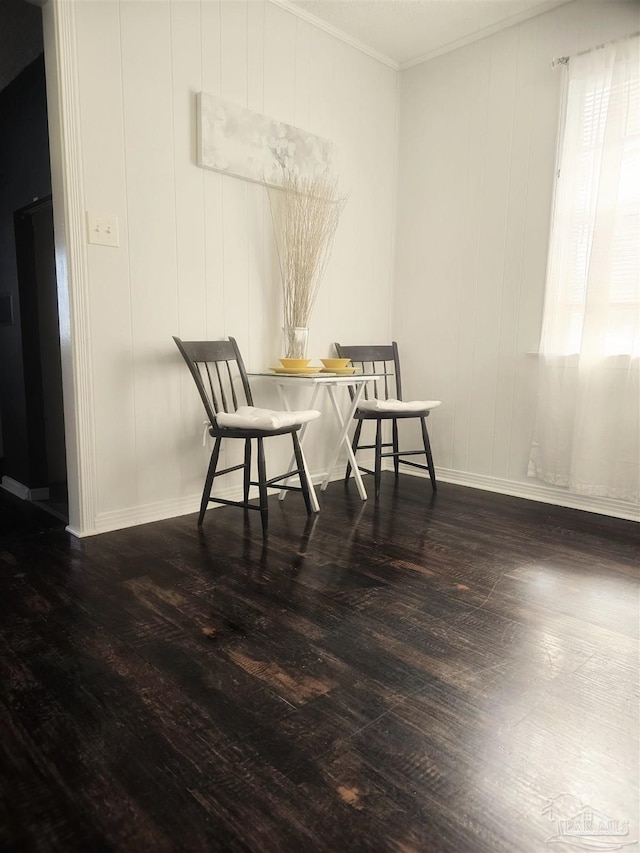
x,y
237,141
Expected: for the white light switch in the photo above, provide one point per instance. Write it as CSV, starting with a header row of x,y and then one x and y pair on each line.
x,y
102,229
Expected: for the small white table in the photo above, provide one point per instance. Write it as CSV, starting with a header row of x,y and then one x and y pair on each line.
x,y
330,382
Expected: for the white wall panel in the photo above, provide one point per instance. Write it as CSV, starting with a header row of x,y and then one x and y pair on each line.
x,y
196,256
302,74
477,152
262,319
476,187
490,259
151,214
186,76
341,296
235,249
510,362
110,298
280,64
212,209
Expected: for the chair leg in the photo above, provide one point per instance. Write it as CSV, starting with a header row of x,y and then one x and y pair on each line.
x,y
378,466
396,459
354,447
247,469
302,472
208,483
427,451
262,487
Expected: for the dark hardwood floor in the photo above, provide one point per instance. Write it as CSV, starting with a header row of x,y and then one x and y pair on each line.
x,y
457,673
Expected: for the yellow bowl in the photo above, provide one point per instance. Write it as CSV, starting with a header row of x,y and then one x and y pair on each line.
x,y
294,362
335,363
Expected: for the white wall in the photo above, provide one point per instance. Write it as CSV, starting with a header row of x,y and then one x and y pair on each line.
x,y
196,253
476,162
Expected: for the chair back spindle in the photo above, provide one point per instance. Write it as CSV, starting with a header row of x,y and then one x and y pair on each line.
x,y
376,359
219,373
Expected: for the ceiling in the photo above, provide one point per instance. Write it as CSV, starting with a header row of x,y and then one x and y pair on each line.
x,y
409,31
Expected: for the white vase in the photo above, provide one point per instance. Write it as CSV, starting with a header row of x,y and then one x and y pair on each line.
x,y
295,341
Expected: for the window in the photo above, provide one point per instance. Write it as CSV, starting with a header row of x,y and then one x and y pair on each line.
x,y
594,261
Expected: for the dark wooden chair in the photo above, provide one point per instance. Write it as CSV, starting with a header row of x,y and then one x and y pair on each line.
x,y
221,378
383,402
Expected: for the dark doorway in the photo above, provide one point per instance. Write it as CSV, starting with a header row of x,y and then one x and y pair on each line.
x,y
40,332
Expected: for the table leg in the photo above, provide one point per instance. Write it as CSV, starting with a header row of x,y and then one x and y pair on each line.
x,y
344,438
312,492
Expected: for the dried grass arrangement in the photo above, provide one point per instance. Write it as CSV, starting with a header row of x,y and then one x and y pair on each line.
x,y
305,213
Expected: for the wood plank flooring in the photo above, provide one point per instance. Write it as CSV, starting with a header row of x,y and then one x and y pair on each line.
x,y
451,673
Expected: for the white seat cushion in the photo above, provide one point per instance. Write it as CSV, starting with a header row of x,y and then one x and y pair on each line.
x,y
251,417
399,406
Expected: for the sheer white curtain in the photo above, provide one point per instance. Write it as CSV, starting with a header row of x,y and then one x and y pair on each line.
x,y
587,429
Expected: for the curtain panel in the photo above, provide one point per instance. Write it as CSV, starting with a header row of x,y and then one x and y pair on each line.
x,y
587,428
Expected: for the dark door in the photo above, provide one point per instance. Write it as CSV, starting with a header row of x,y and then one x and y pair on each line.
x,y
42,368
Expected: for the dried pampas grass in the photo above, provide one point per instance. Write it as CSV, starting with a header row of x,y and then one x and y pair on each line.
x,y
305,213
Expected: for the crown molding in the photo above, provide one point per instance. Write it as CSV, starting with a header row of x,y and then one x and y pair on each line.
x,y
511,21
337,33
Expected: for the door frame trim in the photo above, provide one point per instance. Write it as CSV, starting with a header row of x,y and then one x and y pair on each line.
x,y
72,268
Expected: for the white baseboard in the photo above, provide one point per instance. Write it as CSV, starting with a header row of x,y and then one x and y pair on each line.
x,y
132,516
24,492
535,492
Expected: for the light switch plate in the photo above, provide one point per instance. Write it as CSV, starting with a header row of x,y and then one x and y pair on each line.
x,y
102,229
